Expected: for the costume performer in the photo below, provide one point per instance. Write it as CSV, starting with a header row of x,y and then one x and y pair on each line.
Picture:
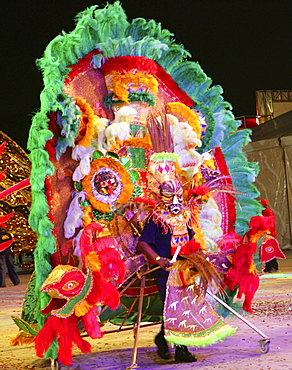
x,y
168,232
272,264
126,122
156,245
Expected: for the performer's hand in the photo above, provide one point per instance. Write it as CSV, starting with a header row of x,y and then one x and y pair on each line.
x,y
164,263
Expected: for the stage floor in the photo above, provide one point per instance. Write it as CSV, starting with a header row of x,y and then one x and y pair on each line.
x,y
272,316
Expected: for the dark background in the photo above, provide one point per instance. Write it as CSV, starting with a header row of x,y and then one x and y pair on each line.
x,y
242,45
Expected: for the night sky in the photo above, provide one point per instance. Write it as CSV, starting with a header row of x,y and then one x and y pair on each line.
x,y
242,45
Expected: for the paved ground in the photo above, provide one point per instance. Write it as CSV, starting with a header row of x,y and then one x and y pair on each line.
x,y
273,317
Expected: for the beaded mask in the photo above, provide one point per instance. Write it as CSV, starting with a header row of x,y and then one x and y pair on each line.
x,y
171,193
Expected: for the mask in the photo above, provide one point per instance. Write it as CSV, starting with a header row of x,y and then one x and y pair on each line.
x,y
171,193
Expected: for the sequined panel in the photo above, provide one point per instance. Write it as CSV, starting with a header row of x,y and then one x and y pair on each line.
x,y
17,164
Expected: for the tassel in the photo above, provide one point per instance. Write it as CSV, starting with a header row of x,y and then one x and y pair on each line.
x,y
82,309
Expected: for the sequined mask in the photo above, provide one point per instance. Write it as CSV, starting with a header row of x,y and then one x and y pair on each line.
x,y
171,193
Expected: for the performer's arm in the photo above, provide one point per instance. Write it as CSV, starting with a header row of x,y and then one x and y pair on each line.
x,y
146,249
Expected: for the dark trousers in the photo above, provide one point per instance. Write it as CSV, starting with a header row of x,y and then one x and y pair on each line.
x,y
271,266
161,277
7,260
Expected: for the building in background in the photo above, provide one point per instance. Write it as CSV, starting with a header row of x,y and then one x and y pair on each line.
x,y
271,147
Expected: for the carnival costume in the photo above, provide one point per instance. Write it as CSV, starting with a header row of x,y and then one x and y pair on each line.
x,y
123,115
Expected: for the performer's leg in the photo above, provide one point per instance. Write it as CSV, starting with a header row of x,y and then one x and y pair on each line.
x,y
161,277
2,271
274,264
182,354
271,266
162,347
11,269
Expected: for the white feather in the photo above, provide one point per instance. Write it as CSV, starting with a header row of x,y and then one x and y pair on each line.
x,y
210,222
190,171
80,151
191,158
77,175
76,244
206,156
180,147
173,120
115,131
180,126
83,169
74,215
85,164
180,136
125,113
100,130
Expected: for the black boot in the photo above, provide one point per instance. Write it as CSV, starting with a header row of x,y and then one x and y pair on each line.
x,y
162,347
183,355
271,266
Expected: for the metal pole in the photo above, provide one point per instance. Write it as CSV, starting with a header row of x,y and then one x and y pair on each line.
x,y
238,315
138,323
